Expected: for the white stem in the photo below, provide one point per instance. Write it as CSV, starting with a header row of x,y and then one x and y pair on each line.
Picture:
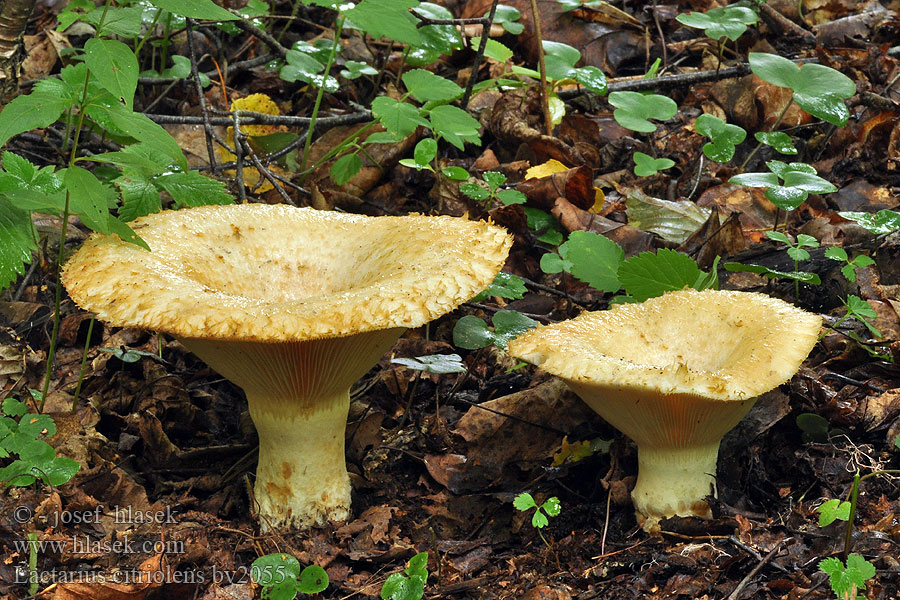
x,y
301,478
674,481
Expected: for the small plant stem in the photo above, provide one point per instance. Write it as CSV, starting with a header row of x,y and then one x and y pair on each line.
x,y
338,27
150,28
164,56
32,564
854,495
771,129
479,53
61,255
338,149
294,9
545,95
87,346
721,42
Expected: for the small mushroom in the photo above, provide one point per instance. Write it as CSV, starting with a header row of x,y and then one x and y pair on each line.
x,y
675,374
293,305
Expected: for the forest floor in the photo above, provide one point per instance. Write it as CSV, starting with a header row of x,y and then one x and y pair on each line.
x,y
161,508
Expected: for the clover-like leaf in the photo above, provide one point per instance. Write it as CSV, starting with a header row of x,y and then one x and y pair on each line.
x,y
819,90
634,109
646,166
725,137
778,140
881,223
730,22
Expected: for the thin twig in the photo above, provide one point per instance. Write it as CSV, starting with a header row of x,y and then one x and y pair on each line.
x,y
204,110
239,158
265,172
746,580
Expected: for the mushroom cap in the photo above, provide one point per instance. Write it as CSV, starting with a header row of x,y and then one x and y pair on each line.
x,y
711,344
276,273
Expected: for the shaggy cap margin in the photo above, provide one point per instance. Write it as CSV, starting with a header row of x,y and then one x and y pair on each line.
x,y
276,273
721,345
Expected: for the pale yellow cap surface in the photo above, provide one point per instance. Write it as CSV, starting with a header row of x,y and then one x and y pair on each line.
x,y
273,273
719,345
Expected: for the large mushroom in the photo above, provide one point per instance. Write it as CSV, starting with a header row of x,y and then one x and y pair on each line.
x,y
675,374
293,305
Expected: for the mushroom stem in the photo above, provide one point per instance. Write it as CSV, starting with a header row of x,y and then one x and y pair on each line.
x,y
674,481
298,393
301,476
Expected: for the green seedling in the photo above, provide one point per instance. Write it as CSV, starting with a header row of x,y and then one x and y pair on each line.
x,y
600,262
817,429
847,580
833,510
539,519
817,89
778,140
725,137
650,274
799,181
281,578
881,223
729,22
861,310
647,166
304,62
438,364
796,251
545,225
592,258
560,60
486,196
507,17
472,333
409,585
424,152
634,110
505,285
353,69
22,437
850,265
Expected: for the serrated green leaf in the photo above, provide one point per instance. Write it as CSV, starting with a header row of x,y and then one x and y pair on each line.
x,y
88,198
594,259
388,18
539,519
17,242
141,128
505,285
425,86
24,113
345,168
13,407
139,197
524,501
399,118
648,275
114,66
196,9
193,189
454,125
552,506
